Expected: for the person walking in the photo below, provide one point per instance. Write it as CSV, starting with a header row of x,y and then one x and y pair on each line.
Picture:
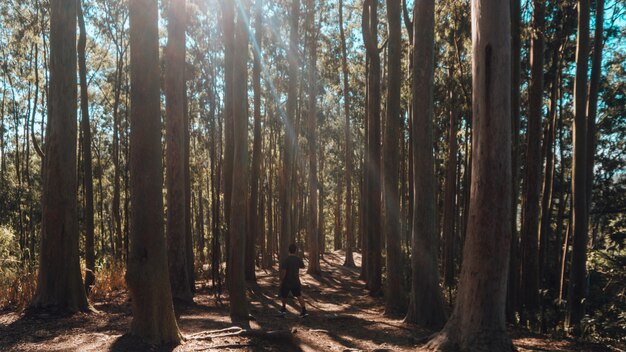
x,y
290,280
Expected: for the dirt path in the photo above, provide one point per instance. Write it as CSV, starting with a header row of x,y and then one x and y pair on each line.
x,y
342,318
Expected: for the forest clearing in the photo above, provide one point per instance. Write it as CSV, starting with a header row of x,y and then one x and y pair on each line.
x,y
343,317
433,175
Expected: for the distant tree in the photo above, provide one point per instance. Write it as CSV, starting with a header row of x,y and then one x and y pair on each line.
x,y
147,275
477,322
59,283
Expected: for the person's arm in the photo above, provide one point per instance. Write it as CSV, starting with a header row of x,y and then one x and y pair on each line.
x,y
301,263
283,273
282,270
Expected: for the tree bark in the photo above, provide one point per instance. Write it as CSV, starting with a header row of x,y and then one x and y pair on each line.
x,y
175,152
449,214
147,275
90,257
426,306
578,272
477,322
394,294
59,284
373,170
239,200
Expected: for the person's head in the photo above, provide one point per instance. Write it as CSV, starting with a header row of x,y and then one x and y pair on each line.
x,y
292,248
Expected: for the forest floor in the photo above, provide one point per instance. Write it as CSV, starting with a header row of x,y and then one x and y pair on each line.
x,y
343,317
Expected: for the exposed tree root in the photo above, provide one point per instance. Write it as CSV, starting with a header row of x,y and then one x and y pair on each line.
x,y
280,335
485,341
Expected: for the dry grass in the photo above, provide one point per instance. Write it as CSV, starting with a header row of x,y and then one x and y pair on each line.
x,y
108,280
17,287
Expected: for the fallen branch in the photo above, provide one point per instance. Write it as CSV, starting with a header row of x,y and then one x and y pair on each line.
x,y
237,331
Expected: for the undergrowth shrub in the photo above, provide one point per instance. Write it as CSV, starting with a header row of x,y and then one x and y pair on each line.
x,y
109,279
18,279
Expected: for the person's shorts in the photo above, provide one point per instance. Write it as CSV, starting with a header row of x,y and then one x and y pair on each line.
x,y
285,289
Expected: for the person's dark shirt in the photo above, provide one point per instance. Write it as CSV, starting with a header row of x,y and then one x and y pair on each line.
x,y
292,265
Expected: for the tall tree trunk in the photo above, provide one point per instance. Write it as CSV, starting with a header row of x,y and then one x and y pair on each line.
x,y
313,226
175,151
147,275
394,294
578,272
426,306
228,27
592,106
349,261
239,199
90,258
477,322
287,234
373,169
532,177
513,283
189,258
449,214
253,211
59,283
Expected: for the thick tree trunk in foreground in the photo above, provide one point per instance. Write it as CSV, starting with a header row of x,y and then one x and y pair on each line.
x,y
349,261
578,272
313,226
147,275
239,201
426,306
394,301
373,170
59,284
532,177
90,256
175,151
478,320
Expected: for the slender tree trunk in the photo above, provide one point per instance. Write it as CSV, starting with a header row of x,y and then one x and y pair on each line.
x,y
373,169
426,306
449,214
513,285
349,261
239,199
59,284
189,260
532,177
477,322
200,225
578,272
253,211
175,156
394,294
592,106
90,258
313,226
286,230
147,275
228,27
